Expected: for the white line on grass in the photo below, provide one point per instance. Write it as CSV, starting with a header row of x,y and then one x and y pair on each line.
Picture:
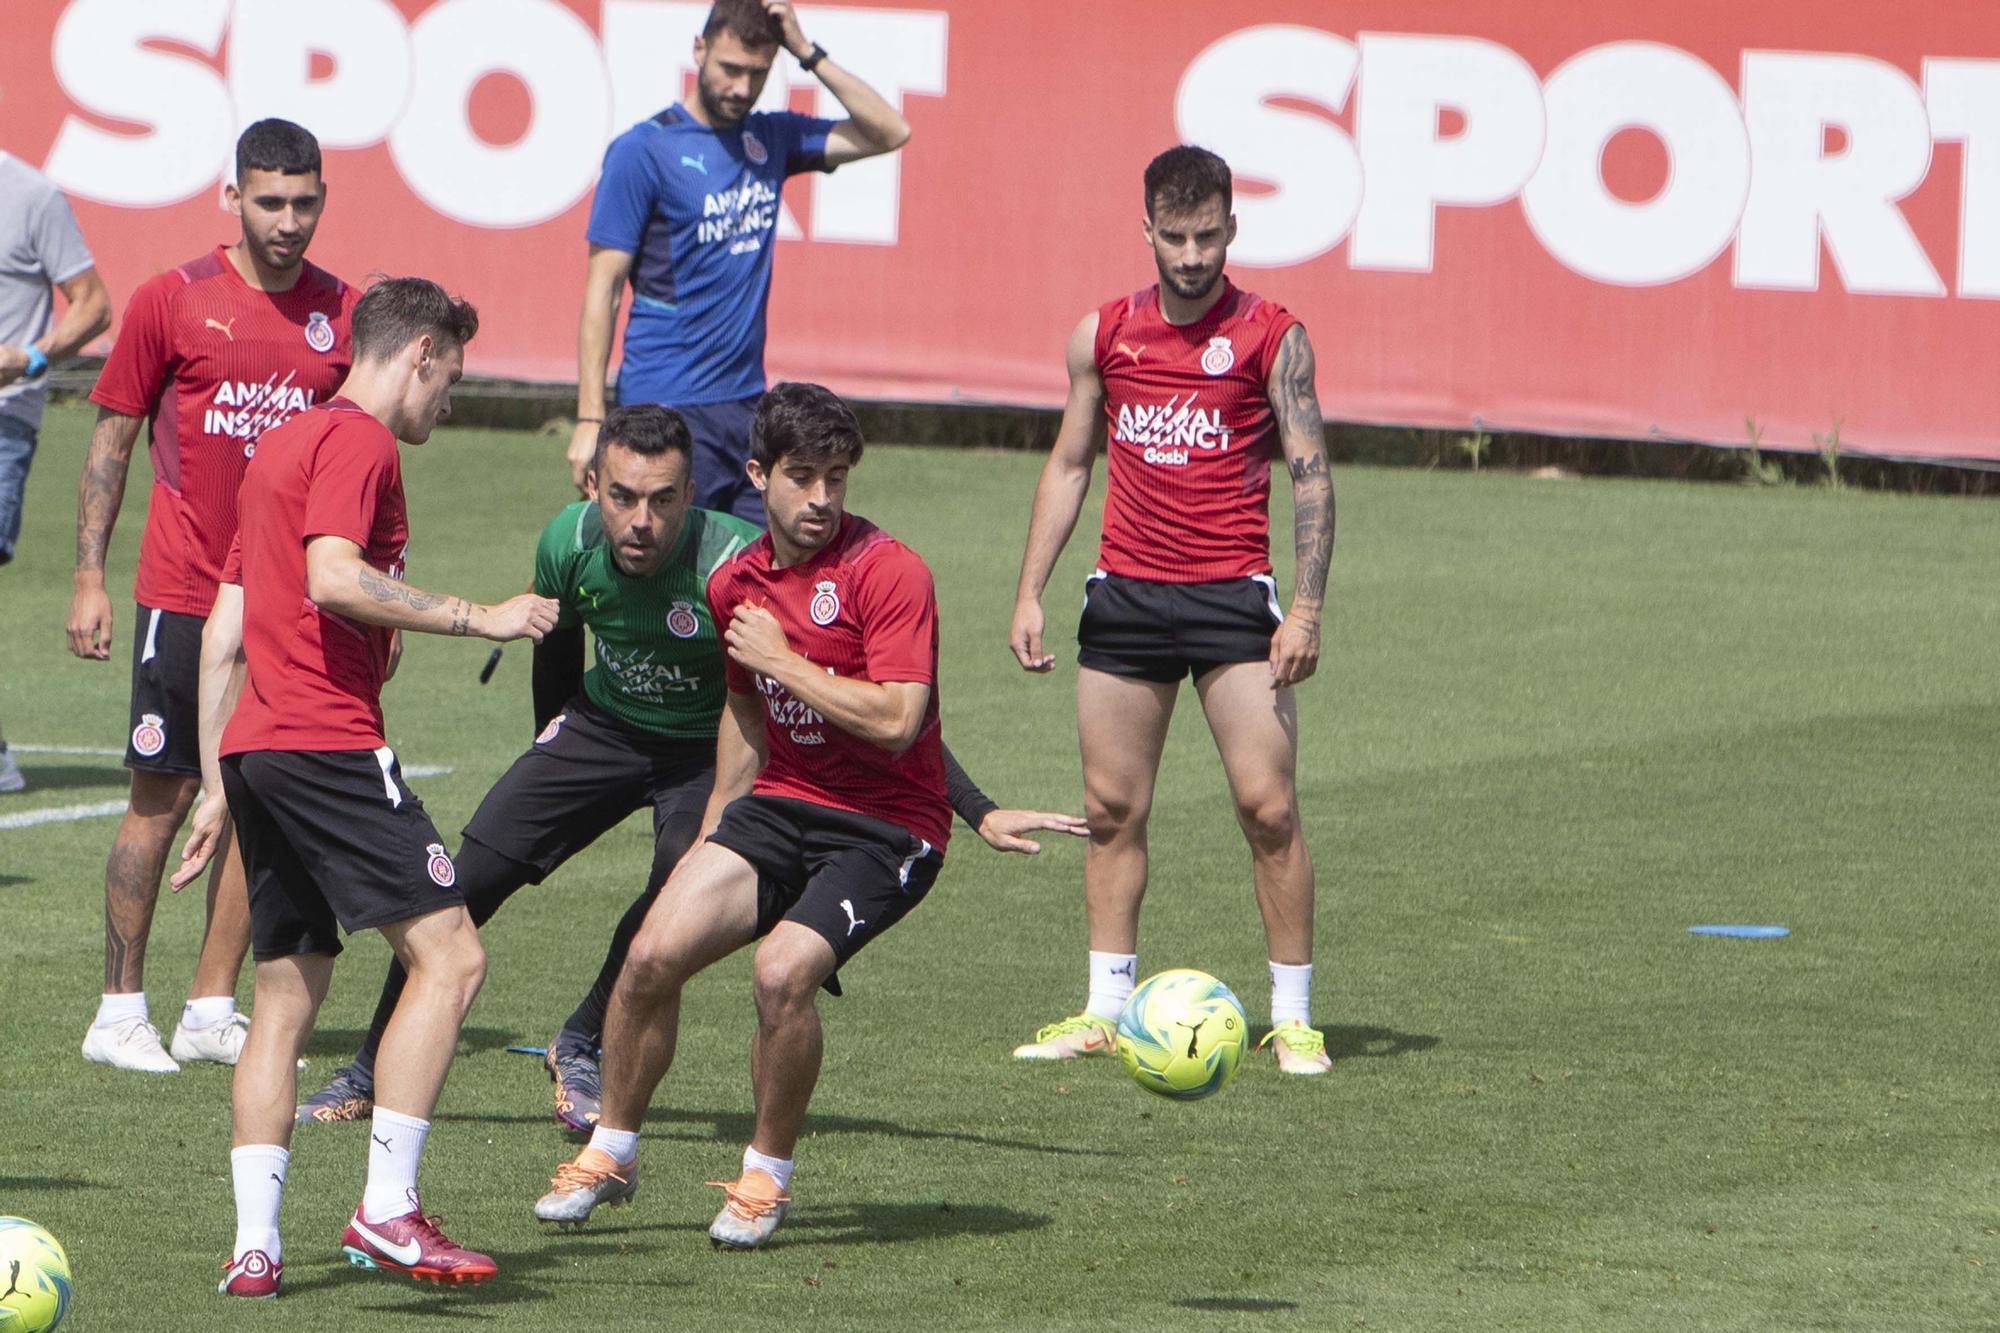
x,y
62,814
90,750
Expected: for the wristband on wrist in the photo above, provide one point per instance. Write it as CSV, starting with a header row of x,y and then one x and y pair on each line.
x,y
817,54
38,361
594,420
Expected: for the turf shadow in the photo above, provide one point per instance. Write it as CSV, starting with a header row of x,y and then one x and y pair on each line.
x,y
508,1287
900,1223
51,1183
1236,1304
9,881
1345,1042
343,1042
735,1127
56,777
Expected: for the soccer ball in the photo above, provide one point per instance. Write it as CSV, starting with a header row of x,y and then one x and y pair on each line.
x,y
36,1271
1182,1034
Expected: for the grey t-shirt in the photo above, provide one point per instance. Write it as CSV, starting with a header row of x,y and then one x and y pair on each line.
x,y
39,247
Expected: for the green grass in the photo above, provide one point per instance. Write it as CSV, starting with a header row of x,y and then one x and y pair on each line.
x,y
1557,723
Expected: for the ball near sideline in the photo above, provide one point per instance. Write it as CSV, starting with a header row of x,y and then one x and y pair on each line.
x,y
36,1275
1182,1034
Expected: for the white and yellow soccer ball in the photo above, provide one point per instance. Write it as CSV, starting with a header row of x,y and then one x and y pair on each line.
x,y
34,1278
1182,1035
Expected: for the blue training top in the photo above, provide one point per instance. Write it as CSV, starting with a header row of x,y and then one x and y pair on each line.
x,y
697,209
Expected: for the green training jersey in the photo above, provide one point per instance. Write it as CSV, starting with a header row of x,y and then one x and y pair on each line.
x,y
659,661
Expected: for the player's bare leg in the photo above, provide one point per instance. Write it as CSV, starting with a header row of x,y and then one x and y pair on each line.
x,y
389,1230
784,1069
1256,730
446,966
210,1028
288,996
706,911
122,1033
1121,728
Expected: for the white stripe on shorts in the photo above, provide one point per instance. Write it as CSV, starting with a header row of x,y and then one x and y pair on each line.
x,y
903,874
385,759
1270,595
152,637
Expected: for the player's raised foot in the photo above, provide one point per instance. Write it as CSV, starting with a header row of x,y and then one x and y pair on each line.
x,y
753,1205
220,1042
578,1186
413,1244
129,1043
1071,1038
10,774
345,1097
251,1275
1300,1049
572,1067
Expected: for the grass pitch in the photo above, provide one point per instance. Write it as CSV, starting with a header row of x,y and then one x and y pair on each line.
x,y
1557,723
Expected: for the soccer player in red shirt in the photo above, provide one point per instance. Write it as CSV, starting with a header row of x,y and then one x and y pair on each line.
x,y
1195,381
828,819
332,837
211,353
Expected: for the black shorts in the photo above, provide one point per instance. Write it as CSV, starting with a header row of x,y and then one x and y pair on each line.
x,y
166,673
1164,631
332,837
847,877
583,775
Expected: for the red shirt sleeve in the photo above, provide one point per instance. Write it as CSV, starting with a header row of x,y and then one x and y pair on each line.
x,y
232,564
354,466
898,618
721,606
141,359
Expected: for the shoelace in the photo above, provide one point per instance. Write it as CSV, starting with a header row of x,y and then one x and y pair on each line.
x,y
1297,1040
1074,1023
745,1205
573,1176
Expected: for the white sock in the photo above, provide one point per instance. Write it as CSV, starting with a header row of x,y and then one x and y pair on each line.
x,y
394,1144
1291,992
1112,979
118,1008
258,1173
620,1145
205,1011
777,1168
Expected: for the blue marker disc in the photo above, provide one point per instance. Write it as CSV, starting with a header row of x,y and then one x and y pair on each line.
x,y
1742,932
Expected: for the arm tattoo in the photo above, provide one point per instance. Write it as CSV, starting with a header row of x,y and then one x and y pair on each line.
x,y
1295,401
97,510
461,617
385,589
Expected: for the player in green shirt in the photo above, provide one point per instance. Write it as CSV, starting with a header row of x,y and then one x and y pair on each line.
x,y
636,729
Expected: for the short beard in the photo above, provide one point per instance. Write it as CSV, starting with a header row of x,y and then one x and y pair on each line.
x,y
712,107
1173,283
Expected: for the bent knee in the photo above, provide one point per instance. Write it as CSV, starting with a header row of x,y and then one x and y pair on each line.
x,y
785,981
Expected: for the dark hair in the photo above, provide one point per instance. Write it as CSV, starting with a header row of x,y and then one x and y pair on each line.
x,y
746,20
1184,178
804,422
646,429
395,310
277,145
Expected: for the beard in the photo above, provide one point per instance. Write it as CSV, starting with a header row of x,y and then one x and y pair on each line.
x,y
717,111
1188,289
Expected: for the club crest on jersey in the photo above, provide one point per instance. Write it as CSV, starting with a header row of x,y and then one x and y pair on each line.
x,y
550,732
753,148
682,622
319,331
150,736
1219,357
443,873
825,603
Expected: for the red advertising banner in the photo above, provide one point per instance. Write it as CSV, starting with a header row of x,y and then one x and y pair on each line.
x,y
1624,218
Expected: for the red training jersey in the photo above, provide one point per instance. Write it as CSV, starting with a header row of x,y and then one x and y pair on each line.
x,y
214,362
1190,434
315,679
862,607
